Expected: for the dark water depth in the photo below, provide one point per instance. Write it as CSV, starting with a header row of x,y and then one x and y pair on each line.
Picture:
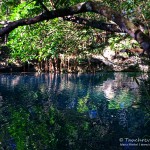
x,y
105,111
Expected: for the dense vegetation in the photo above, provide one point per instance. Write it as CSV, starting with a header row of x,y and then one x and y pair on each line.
x,y
44,33
44,37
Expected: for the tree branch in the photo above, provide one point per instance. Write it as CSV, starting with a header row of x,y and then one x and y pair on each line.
x,y
95,24
96,7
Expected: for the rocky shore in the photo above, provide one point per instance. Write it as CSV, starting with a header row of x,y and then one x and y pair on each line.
x,y
107,61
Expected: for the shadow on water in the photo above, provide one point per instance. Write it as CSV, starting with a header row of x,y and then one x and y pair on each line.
x,y
105,111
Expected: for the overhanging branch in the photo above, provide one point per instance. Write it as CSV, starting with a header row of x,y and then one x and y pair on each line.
x,y
95,24
79,8
96,7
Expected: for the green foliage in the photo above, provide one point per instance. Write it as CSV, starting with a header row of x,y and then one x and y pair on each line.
x,y
17,128
48,39
33,43
41,130
82,104
24,10
7,6
45,40
119,42
123,100
21,127
65,3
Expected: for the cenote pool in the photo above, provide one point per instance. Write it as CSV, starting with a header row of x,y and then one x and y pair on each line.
x,y
103,111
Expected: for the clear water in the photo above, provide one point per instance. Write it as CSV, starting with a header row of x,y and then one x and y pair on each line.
x,y
105,111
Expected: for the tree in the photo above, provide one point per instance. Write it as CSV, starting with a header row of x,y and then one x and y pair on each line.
x,y
123,24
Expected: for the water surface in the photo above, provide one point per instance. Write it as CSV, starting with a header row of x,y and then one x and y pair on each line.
x,y
74,111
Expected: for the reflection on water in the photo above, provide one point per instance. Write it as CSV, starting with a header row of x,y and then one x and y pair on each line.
x,y
73,112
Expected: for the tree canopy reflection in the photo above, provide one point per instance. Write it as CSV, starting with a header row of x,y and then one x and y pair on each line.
x,y
49,111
